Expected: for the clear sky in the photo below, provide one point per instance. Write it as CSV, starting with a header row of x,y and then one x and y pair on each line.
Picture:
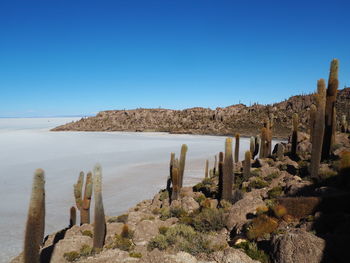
x,y
71,57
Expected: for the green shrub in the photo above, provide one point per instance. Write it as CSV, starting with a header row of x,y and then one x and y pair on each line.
x,y
86,251
118,219
163,229
121,242
275,192
199,198
163,195
181,238
135,255
177,212
258,183
271,176
251,249
71,256
164,213
209,219
87,233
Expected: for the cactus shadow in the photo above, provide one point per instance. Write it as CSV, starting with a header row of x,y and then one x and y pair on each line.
x,y
46,253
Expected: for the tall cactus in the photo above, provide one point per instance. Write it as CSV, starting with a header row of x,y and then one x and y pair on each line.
x,y
221,175
182,163
206,173
72,216
99,214
170,178
237,148
83,200
175,181
344,124
264,143
252,145
215,164
295,135
331,98
256,146
35,226
228,171
313,111
247,164
318,132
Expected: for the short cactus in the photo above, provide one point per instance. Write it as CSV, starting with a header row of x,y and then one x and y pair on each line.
x,y
247,164
206,173
35,226
295,135
83,201
228,171
318,131
99,214
182,163
331,98
72,217
237,148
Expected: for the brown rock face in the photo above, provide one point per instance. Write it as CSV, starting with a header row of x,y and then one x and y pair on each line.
x,y
221,121
298,246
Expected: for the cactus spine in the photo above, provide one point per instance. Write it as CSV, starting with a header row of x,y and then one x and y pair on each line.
x,y
331,98
295,135
99,214
182,163
237,148
83,201
247,164
313,110
318,131
35,226
228,171
206,169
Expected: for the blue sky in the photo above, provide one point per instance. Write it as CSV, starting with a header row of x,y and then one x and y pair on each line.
x,y
79,57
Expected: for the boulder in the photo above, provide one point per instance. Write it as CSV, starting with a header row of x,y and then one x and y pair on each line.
x,y
232,255
297,246
144,232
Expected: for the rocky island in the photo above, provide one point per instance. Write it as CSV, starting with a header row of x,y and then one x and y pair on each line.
x,y
286,204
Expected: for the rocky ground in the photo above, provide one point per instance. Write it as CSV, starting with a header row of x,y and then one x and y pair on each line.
x,y
222,121
278,214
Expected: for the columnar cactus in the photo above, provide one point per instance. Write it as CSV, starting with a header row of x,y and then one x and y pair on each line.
x,y
280,151
257,146
35,226
83,201
221,175
252,145
206,174
228,172
247,164
318,132
331,98
176,181
170,178
99,214
344,124
215,164
345,163
264,143
295,135
72,217
237,148
313,110
182,163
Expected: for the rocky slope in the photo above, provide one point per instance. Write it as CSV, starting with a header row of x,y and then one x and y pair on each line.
x,y
221,121
278,215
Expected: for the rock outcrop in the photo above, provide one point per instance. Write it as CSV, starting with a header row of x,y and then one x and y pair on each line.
x,y
246,120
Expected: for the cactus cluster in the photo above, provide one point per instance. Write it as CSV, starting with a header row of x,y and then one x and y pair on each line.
x,y
83,200
177,169
318,130
330,116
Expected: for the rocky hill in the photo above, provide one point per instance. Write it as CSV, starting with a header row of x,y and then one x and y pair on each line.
x,y
221,121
